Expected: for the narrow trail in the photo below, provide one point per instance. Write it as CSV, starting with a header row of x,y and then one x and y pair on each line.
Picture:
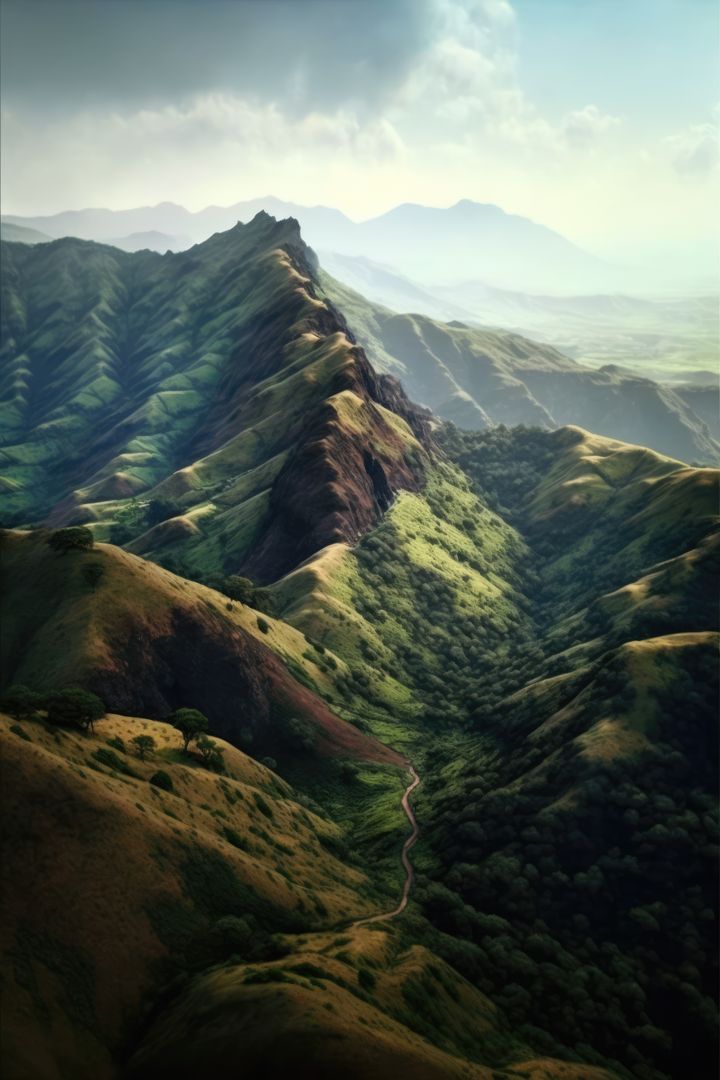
x,y
404,858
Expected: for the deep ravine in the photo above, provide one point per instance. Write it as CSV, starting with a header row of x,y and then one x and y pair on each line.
x,y
405,857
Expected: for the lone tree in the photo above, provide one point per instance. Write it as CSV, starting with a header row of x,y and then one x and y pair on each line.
x,y
20,702
239,588
75,538
144,745
212,755
190,723
74,708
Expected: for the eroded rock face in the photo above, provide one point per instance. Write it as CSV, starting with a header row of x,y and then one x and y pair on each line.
x,y
339,480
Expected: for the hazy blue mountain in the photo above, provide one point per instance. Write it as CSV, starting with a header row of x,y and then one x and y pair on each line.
x,y
20,234
463,241
151,241
673,339
478,377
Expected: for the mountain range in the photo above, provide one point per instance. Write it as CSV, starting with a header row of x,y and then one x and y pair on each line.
x,y
467,240
471,261
669,339
477,377
344,584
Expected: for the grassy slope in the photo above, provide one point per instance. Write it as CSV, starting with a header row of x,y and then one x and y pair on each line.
x,y
103,934
569,630
476,377
440,569
144,873
146,639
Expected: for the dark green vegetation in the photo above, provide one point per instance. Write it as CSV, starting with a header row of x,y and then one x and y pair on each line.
x,y
577,844
477,377
555,631
526,616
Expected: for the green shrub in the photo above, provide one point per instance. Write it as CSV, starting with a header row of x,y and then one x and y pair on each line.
x,y
20,702
191,724
235,838
162,780
75,538
366,979
263,625
112,761
212,755
144,745
263,806
74,707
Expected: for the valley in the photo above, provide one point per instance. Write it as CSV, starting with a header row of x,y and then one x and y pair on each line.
x,y
342,582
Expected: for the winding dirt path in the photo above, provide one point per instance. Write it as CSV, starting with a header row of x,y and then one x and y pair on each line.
x,y
405,858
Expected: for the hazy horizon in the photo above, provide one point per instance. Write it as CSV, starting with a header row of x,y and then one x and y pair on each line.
x,y
362,106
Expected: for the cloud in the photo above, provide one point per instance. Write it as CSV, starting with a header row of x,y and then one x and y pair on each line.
x,y
262,127
582,127
314,55
467,80
695,152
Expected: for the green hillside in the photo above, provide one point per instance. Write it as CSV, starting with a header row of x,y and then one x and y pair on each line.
x,y
342,585
477,378
212,384
530,642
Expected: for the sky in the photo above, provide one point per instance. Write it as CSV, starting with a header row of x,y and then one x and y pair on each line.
x,y
595,117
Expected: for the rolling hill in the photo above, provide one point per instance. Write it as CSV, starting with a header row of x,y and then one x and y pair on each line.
x,y
477,377
20,234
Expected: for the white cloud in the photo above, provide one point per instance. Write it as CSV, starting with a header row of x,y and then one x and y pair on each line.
x,y
262,127
582,127
468,81
695,151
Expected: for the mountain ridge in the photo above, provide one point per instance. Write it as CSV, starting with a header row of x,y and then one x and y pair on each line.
x,y
138,357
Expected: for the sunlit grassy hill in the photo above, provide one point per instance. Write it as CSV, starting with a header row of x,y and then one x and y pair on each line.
x,y
112,884
220,893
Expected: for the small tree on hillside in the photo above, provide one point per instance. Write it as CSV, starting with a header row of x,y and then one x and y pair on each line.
x,y
212,755
190,723
239,588
75,538
144,745
20,702
74,707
